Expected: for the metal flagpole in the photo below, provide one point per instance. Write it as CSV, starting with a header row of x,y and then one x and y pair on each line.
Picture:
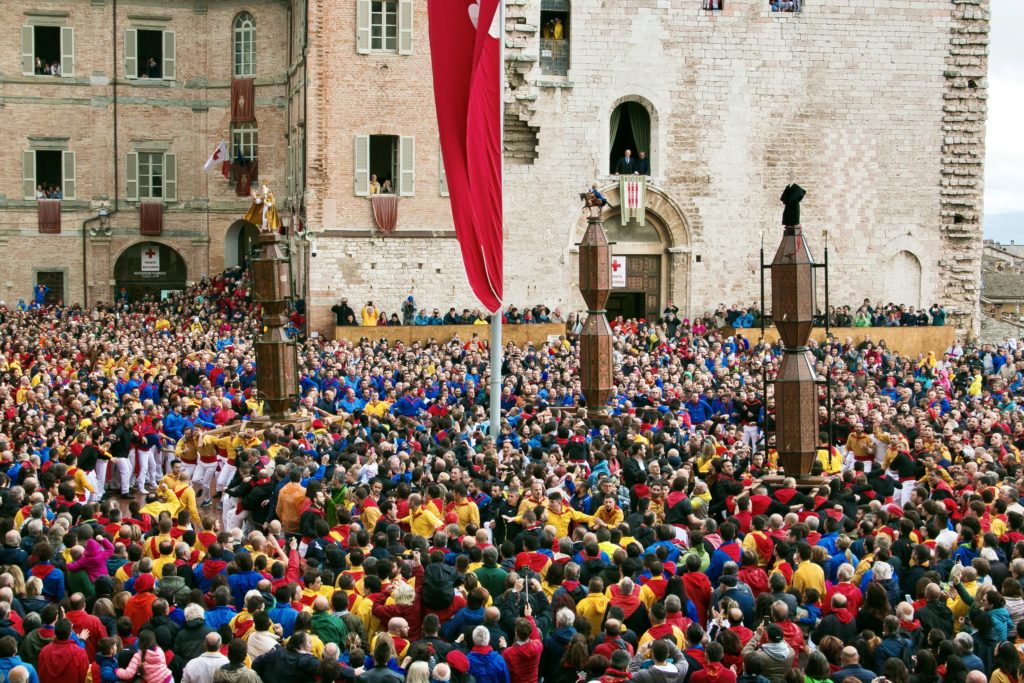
x,y
496,350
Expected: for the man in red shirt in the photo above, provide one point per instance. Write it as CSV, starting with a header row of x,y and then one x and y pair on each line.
x,y
82,621
62,661
523,656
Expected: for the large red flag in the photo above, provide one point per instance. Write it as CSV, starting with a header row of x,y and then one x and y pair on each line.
x,y
466,57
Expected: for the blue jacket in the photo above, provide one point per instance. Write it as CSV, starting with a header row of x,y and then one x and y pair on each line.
x,y
487,666
218,616
463,618
8,663
286,616
892,645
108,669
241,584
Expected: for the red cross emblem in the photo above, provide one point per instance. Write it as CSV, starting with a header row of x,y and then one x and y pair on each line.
x,y
616,265
150,253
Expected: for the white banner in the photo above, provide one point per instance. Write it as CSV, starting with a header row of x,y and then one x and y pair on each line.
x,y
618,271
150,260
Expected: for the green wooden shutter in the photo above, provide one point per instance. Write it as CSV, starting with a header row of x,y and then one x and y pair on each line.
x,y
131,177
170,64
28,50
70,185
405,11
363,26
407,166
362,162
170,178
131,53
28,174
67,51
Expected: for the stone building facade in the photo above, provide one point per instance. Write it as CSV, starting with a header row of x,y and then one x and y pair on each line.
x,y
115,131
878,112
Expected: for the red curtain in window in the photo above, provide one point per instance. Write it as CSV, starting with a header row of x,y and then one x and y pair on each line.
x,y
49,216
243,97
151,218
385,212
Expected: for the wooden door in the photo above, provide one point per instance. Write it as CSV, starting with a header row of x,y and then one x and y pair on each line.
x,y
643,274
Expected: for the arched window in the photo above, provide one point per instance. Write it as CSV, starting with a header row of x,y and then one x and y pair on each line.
x,y
245,46
630,129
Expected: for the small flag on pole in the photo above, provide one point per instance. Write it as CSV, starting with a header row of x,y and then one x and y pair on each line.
x,y
219,156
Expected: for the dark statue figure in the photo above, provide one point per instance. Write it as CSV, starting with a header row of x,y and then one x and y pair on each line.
x,y
791,197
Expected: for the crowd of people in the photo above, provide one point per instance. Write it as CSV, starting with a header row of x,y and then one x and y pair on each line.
x,y
370,316
49,192
153,530
47,68
865,315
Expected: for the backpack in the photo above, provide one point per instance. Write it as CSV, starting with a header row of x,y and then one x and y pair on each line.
x,y
438,586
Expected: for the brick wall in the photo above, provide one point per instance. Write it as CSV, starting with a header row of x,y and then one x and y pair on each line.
x,y
849,100
189,115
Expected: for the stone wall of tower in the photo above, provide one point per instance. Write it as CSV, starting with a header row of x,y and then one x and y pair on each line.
x,y
877,110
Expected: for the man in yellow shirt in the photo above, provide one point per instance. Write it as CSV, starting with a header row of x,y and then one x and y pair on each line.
x,y
829,456
593,607
957,605
465,509
807,573
862,446
561,516
420,520
609,514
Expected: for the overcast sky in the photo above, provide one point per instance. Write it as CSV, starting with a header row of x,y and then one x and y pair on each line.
x,y
1004,168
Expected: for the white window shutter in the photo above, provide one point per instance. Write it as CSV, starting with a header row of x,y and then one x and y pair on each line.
x,y
362,159
405,9
170,178
443,175
28,174
407,166
28,50
131,177
363,26
169,60
131,53
70,185
67,51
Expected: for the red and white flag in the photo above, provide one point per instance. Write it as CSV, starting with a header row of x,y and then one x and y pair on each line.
x,y
466,58
219,156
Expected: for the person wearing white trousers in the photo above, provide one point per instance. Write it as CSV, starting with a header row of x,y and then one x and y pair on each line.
x,y
123,474
98,479
149,472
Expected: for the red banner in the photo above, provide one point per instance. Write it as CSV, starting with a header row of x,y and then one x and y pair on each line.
x,y
465,55
385,212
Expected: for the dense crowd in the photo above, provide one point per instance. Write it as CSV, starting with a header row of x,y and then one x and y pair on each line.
x,y
154,531
370,316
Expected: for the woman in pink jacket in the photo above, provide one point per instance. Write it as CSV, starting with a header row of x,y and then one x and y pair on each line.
x,y
150,659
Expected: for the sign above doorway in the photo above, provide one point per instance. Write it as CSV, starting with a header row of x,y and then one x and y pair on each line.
x,y
618,271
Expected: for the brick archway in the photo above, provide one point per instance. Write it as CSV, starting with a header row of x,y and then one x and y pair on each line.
x,y
676,242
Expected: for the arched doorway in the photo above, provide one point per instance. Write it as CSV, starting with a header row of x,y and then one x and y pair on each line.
x,y
629,128
238,242
641,251
149,271
904,281
656,256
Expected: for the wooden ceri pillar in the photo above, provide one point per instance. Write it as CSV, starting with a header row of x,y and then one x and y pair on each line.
x,y
595,341
276,354
793,303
